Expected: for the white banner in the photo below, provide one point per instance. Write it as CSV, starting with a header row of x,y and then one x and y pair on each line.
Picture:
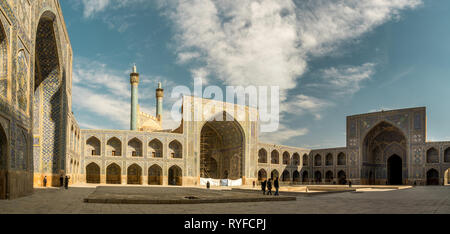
x,y
223,182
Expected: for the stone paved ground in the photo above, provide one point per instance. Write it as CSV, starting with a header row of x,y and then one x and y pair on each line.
x,y
175,195
418,200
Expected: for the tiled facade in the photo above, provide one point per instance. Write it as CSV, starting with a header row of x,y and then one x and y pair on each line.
x,y
399,133
39,135
35,62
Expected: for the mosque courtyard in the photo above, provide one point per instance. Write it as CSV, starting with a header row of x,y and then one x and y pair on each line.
x,y
414,200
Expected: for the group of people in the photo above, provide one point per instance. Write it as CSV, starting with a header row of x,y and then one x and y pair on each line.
x,y
268,184
63,181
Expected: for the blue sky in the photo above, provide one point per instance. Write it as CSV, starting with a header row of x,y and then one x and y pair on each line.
x,y
330,58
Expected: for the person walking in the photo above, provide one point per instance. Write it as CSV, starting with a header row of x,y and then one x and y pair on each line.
x,y
277,186
269,187
61,181
263,186
66,182
45,181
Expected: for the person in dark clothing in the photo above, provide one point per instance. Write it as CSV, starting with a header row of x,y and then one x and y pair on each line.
x,y
61,181
277,186
45,181
66,182
263,186
349,184
269,187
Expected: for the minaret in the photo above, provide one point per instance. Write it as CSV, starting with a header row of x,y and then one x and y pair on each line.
x,y
159,101
134,81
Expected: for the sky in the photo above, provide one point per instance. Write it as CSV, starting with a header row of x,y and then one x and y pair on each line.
x,y
330,59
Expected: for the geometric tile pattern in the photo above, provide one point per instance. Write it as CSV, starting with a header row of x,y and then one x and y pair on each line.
x,y
22,81
3,63
48,81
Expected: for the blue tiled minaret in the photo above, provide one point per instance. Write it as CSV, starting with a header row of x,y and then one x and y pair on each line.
x,y
159,101
134,81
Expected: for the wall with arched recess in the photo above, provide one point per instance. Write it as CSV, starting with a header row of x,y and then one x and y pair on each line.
x,y
30,157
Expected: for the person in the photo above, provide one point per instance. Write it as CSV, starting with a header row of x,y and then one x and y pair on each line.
x,y
61,181
254,183
263,186
277,186
349,184
269,187
66,180
45,181
208,185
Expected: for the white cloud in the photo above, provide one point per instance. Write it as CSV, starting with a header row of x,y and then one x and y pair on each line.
x,y
284,133
96,75
250,42
104,105
327,24
93,6
302,104
342,80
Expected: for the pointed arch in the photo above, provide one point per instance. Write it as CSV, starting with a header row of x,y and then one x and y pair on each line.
x,y
155,149
296,159
341,159
329,159
342,177
175,175
447,155
379,146
286,176
318,176
92,173
296,176
275,157
305,160
93,146
274,174
113,174
433,177
222,144
286,158
432,155
135,147
262,175
318,160
305,177
329,177
175,149
114,147
134,174
262,156
155,175
49,95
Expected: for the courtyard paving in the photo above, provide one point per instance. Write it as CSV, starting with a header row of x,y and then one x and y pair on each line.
x,y
175,195
417,200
